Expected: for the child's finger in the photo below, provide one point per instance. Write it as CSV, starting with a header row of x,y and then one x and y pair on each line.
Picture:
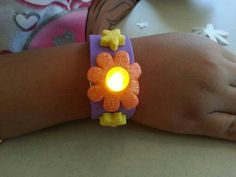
x,y
230,72
221,125
227,102
228,55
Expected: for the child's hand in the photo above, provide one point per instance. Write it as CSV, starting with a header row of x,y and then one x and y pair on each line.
x,y
188,85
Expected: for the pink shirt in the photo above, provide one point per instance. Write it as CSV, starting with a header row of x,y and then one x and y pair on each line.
x,y
45,23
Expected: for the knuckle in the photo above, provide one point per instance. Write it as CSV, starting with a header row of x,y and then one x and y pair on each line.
x,y
230,132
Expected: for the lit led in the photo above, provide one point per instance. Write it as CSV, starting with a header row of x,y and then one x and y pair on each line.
x,y
117,79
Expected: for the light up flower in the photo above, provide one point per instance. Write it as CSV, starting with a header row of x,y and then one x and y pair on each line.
x,y
115,81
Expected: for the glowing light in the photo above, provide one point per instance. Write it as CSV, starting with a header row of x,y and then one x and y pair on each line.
x,y
117,79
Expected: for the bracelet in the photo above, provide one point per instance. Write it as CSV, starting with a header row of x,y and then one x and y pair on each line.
x,y
113,78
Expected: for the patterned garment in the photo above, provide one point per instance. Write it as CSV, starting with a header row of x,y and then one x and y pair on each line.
x,y
27,24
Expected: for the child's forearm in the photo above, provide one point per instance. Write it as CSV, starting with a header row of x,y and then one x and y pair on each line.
x,y
41,88
179,91
45,87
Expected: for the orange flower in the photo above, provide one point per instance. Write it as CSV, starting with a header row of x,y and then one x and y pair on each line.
x,y
100,91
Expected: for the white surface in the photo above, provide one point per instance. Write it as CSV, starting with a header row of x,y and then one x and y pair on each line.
x,y
181,16
84,149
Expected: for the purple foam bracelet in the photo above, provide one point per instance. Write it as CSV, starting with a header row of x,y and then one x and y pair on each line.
x,y
97,107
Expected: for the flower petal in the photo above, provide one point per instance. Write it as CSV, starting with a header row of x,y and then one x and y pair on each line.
x,y
134,86
104,60
95,75
111,103
95,93
135,71
129,100
121,58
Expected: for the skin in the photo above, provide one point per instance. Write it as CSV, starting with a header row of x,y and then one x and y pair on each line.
x,y
187,86
42,88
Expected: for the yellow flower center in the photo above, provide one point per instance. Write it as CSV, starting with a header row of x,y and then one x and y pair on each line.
x,y
117,79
